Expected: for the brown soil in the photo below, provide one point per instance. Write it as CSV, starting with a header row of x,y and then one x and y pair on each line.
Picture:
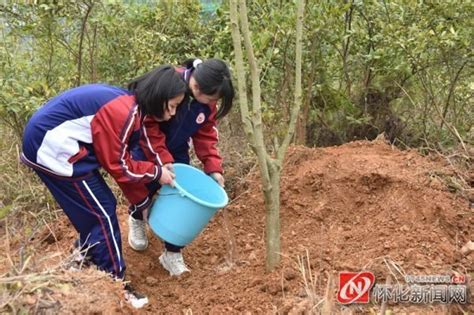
x,y
359,206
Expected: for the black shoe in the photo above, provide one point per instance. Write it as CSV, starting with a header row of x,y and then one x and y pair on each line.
x,y
137,300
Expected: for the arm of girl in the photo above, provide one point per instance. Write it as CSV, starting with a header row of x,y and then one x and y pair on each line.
x,y
111,129
154,142
205,145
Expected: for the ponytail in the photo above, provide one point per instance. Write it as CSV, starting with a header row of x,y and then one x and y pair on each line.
x,y
213,77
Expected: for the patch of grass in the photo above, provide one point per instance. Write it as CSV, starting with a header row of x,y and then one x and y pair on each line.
x,y
457,175
5,210
21,190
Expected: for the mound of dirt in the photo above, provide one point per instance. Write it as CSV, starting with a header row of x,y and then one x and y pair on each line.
x,y
359,206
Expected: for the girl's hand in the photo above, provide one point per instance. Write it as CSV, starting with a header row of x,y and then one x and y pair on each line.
x,y
169,166
218,178
167,176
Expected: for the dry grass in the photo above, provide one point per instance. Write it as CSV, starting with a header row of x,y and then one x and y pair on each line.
x,y
21,190
32,281
318,298
458,175
25,208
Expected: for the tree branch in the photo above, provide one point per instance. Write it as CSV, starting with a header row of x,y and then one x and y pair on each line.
x,y
451,91
81,39
239,64
254,70
298,90
260,149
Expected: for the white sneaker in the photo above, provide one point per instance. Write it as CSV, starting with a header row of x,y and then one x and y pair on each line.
x,y
137,238
136,299
174,263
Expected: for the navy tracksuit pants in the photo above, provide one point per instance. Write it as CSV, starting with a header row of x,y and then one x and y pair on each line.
x,y
91,206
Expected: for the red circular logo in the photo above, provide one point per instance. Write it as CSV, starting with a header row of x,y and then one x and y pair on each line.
x,y
200,118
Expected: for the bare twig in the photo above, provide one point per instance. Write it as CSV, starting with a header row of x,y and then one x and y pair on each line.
x,y
383,307
328,300
390,264
7,241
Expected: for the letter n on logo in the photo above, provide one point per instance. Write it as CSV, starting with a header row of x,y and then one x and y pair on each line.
x,y
354,287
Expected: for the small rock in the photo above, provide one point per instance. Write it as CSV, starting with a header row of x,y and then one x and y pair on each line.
x,y
302,293
151,280
30,300
404,228
167,293
290,274
214,259
467,248
256,282
419,266
435,183
274,289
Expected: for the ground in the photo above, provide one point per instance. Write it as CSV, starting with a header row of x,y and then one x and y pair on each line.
x,y
359,206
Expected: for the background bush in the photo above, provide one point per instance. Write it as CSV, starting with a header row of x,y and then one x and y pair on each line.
x,y
399,67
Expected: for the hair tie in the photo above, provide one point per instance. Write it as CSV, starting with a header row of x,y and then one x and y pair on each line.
x,y
196,62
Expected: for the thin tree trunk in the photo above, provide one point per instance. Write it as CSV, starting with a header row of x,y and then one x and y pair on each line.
x,y
256,120
345,50
93,70
451,92
240,71
270,169
272,226
81,40
368,67
301,126
298,89
50,59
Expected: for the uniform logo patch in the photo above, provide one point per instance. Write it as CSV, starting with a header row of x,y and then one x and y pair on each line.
x,y
200,118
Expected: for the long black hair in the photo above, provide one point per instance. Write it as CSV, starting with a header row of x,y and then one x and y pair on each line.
x,y
213,77
154,89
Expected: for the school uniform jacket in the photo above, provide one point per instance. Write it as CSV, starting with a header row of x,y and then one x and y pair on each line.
x,y
86,128
194,124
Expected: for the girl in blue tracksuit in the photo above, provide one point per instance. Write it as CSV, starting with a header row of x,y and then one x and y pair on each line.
x,y
96,126
193,125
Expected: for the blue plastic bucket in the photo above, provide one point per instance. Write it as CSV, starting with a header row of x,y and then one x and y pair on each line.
x,y
179,214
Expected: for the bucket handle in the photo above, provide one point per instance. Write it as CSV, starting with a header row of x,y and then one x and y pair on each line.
x,y
172,194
